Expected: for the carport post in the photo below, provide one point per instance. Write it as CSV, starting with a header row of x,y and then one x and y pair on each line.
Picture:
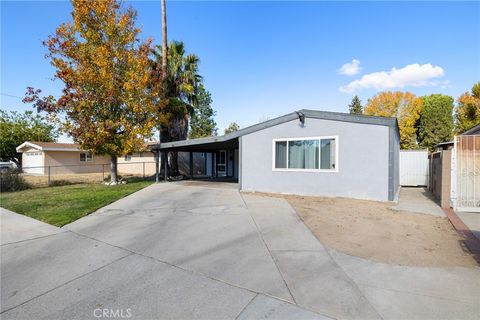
x,y
157,159
191,165
49,179
165,165
213,165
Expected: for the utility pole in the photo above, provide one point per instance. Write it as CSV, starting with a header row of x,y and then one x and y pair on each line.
x,y
163,77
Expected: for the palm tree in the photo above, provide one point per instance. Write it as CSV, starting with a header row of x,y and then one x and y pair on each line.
x,y
164,39
180,85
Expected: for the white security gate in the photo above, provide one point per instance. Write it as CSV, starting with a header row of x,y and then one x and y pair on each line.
x,y
465,194
413,167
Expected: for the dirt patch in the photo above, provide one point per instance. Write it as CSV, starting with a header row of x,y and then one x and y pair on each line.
x,y
372,230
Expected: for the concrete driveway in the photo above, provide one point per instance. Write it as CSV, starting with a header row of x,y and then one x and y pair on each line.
x,y
195,250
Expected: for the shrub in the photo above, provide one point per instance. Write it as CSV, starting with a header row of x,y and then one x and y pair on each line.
x,y
59,183
11,180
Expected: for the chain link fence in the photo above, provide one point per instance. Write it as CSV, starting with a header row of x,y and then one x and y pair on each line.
x,y
43,176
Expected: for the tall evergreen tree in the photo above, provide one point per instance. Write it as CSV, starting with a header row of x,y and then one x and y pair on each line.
x,y
436,120
202,123
355,107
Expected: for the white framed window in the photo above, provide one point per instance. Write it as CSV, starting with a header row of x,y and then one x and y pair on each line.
x,y
86,157
128,157
315,154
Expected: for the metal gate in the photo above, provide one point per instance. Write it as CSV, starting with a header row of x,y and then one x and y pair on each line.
x,y
413,167
465,195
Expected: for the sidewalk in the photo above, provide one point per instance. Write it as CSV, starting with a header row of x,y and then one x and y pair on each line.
x,y
472,221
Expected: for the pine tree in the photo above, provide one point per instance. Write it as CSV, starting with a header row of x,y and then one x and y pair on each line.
x,y
355,107
202,123
436,120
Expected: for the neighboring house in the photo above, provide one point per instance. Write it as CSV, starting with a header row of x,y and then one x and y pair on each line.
x,y
308,153
144,162
62,158
454,168
67,158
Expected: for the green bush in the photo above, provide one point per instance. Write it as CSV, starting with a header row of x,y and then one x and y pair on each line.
x,y
59,183
11,180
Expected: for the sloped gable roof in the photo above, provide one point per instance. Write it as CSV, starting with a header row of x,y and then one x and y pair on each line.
x,y
313,114
473,131
48,146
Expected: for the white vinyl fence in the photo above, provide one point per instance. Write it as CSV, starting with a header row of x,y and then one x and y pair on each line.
x,y
413,167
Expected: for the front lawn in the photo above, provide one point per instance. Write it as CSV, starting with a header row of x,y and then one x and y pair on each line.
x,y
62,205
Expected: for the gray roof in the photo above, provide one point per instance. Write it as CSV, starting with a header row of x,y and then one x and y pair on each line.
x,y
314,114
473,131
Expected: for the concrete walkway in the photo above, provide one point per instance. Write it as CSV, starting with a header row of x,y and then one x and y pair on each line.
x,y
15,228
472,221
418,200
182,251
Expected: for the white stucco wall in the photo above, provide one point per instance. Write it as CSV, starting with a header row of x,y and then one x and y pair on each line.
x,y
362,162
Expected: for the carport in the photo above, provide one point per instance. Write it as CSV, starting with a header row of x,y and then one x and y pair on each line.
x,y
221,155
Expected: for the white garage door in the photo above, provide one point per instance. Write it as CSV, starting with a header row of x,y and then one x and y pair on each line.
x,y
33,163
413,167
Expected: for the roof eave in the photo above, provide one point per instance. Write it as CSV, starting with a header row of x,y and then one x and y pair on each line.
x,y
314,114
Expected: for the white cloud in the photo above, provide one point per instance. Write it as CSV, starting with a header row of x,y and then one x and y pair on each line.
x,y
414,75
350,68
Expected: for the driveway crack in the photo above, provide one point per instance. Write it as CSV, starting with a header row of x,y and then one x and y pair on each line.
x,y
268,250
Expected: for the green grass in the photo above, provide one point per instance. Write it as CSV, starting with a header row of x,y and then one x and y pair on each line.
x,y
62,205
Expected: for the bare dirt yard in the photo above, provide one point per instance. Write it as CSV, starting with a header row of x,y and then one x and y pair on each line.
x,y
374,231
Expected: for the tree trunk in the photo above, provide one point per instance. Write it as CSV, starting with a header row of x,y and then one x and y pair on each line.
x,y
164,41
177,131
174,164
113,169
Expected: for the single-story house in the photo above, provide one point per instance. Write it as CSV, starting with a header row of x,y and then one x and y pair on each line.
x,y
38,158
62,158
307,152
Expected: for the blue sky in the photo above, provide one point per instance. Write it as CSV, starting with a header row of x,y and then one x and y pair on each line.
x,y
264,59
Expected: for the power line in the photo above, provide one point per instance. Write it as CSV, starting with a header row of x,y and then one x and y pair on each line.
x,y
11,96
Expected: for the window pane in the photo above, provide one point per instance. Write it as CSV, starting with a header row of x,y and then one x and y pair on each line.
x,y
311,154
296,157
303,154
327,154
82,156
281,154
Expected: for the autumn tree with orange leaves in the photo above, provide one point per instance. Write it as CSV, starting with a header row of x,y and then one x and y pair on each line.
x,y
467,112
405,106
105,105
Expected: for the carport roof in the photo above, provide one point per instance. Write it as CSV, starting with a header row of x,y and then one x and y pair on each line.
x,y
230,140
